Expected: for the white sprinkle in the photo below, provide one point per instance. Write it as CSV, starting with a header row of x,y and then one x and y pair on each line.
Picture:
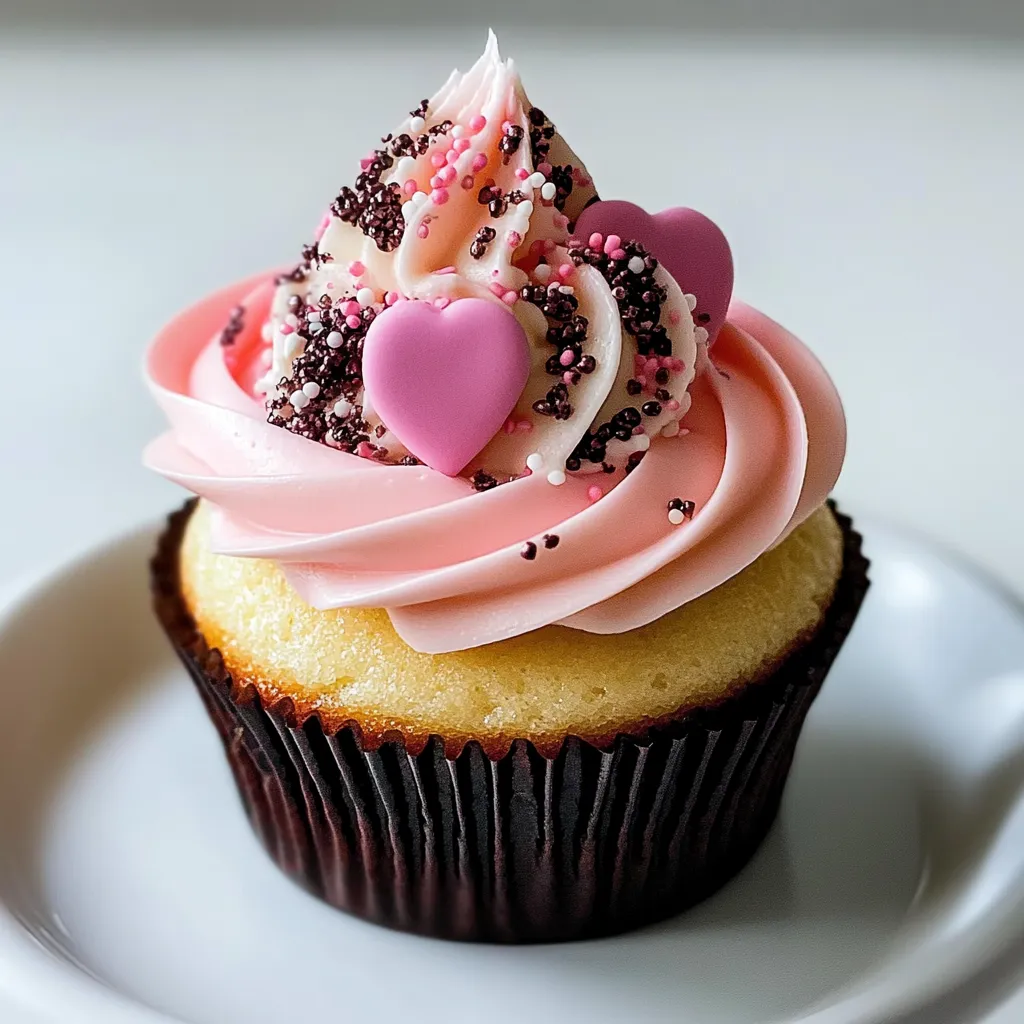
x,y
364,296
262,386
457,131
642,442
636,264
417,124
525,208
335,339
311,389
556,478
691,301
701,334
542,273
536,180
670,429
548,190
314,317
535,462
342,408
418,198
566,289
267,331
315,327
298,399
292,342
291,320
675,516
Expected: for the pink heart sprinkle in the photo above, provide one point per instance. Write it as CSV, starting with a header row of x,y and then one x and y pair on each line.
x,y
445,380
691,247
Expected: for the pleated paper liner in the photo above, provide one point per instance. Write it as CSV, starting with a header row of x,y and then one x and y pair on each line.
x,y
524,848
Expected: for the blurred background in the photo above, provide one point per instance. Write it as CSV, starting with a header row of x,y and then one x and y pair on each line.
x,y
864,158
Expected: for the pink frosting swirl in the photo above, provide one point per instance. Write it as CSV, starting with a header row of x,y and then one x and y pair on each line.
x,y
761,444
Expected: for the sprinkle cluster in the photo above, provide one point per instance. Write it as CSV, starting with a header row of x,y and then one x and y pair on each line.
x,y
629,270
542,131
374,207
567,332
319,399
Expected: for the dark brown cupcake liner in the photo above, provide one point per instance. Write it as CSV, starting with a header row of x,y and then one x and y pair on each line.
x,y
521,848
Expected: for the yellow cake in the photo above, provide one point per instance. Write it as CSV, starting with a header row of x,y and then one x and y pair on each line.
x,y
348,664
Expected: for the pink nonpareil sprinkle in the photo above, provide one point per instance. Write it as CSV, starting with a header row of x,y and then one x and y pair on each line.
x,y
479,162
595,241
674,317
545,169
461,145
391,298
353,322
675,365
522,173
451,156
447,175
287,329
439,196
363,450
611,243
594,493
351,308
411,187
560,221
567,377
445,270
618,254
510,298
672,405
477,123
437,159
565,271
549,245
510,426
514,239
566,357
422,231
651,366
356,269
437,181
468,182
524,426
330,285
497,288
505,125
639,430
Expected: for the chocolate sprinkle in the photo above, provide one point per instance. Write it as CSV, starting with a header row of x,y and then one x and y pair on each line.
x,y
528,551
551,540
510,142
686,507
482,481
234,327
484,237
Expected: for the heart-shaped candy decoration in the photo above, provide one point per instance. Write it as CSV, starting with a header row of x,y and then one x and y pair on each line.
x,y
445,380
691,248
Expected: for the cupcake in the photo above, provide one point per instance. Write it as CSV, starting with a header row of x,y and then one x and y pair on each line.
x,y
512,574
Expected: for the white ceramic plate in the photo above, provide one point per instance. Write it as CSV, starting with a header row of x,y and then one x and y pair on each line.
x,y
891,888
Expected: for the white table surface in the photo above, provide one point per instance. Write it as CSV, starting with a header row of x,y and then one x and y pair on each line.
x,y
872,196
